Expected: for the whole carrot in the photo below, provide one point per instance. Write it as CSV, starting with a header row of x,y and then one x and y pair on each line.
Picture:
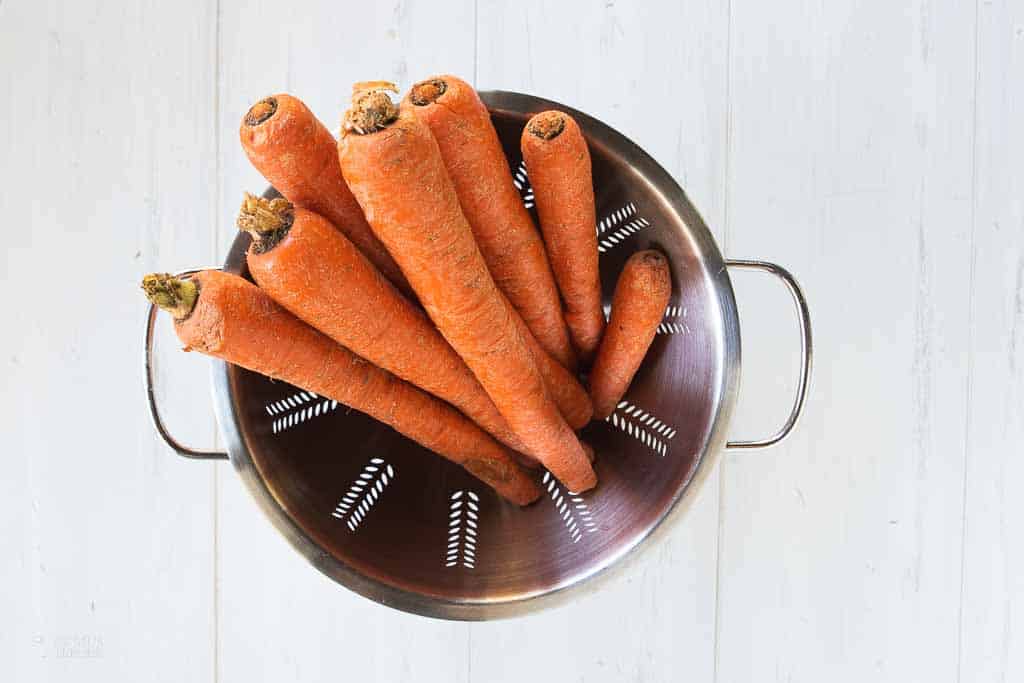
x,y
508,240
311,269
558,162
641,296
296,153
225,316
394,167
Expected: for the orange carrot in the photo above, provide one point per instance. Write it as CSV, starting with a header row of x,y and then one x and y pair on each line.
x,y
507,238
558,163
298,155
641,296
394,167
563,388
225,316
312,270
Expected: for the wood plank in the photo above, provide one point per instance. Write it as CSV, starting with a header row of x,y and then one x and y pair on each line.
x,y
851,164
991,638
610,60
107,142
279,618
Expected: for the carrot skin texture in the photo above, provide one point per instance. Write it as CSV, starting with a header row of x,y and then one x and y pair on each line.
x,y
504,231
321,278
296,153
641,296
563,190
398,176
563,388
237,322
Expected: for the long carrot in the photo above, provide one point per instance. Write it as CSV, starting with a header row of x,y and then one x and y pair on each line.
x,y
563,388
298,155
394,167
225,316
558,162
508,240
641,296
311,269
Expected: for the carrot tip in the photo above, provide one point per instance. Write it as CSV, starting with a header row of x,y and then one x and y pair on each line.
x,y
174,295
426,92
261,111
267,220
547,125
372,108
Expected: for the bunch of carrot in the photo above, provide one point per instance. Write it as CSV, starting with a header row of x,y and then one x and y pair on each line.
x,y
401,275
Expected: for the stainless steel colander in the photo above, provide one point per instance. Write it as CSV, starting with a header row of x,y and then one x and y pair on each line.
x,y
386,518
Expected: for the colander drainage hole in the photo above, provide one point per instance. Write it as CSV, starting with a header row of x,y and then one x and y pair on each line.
x,y
296,409
522,183
615,218
614,239
571,508
363,493
463,511
674,321
618,226
642,426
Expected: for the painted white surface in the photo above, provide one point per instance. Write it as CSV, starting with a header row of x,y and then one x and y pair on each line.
x,y
872,148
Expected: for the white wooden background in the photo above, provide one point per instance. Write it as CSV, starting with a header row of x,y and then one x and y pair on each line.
x,y
873,147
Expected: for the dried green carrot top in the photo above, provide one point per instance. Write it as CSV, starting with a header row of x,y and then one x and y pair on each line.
x,y
174,295
267,220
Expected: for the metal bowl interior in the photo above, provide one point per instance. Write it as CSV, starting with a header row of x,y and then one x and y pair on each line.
x,y
390,520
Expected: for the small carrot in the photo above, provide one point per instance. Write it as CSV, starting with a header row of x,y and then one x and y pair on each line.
x,y
298,155
641,296
225,316
558,162
508,240
394,167
312,270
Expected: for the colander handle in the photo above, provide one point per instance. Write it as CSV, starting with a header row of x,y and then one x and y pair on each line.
x,y
154,411
806,349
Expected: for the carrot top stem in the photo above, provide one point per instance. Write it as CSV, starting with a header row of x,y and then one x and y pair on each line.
x,y
174,295
547,126
425,92
372,108
267,220
261,111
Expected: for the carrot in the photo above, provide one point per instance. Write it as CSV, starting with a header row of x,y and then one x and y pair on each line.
x,y
225,316
510,243
562,386
558,162
394,167
641,296
312,270
296,153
